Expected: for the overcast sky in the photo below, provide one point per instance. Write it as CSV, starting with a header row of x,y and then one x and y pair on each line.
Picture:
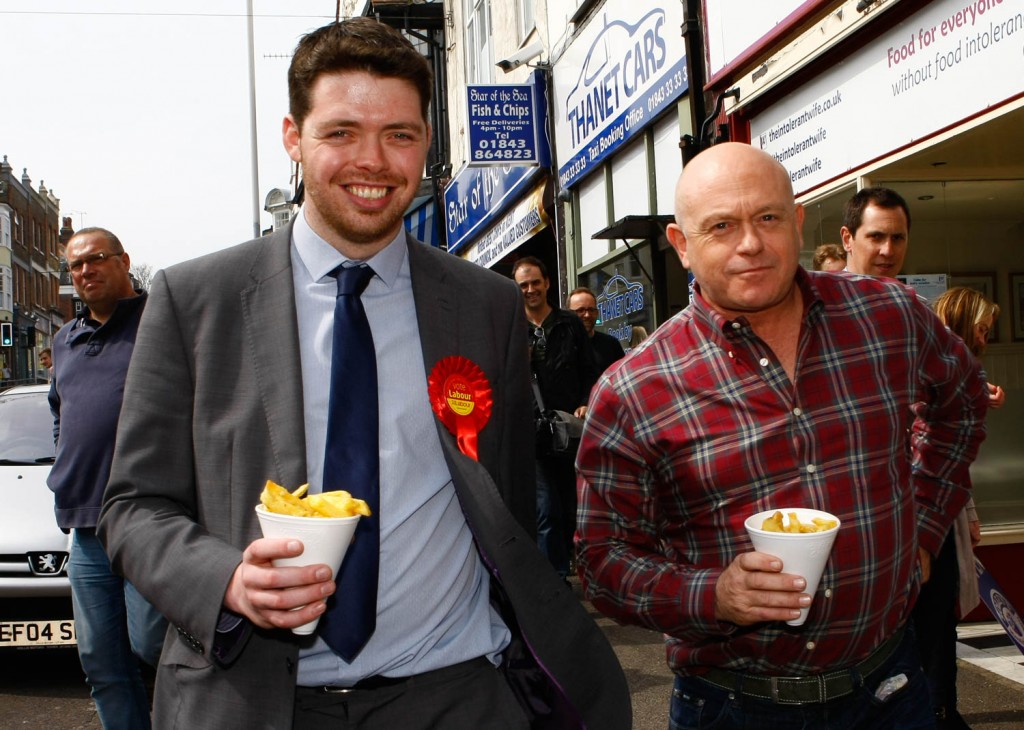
x,y
136,114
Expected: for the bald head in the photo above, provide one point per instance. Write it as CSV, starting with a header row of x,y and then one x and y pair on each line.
x,y
717,164
738,229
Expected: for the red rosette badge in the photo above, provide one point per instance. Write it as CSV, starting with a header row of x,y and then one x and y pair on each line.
x,y
461,397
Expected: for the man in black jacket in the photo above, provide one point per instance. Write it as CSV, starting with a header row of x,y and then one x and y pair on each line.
x,y
563,365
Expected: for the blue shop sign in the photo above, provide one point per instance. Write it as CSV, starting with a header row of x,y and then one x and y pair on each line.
x,y
503,124
478,196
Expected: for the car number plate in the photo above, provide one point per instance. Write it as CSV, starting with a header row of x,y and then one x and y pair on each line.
x,y
37,633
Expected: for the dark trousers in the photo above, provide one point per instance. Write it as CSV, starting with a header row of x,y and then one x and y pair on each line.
x,y
556,510
935,620
697,704
469,695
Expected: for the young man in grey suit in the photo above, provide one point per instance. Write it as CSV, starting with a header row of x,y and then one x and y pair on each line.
x,y
230,386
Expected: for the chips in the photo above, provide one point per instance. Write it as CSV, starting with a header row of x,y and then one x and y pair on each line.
x,y
328,504
818,524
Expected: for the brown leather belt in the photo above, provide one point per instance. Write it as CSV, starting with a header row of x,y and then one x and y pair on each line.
x,y
812,689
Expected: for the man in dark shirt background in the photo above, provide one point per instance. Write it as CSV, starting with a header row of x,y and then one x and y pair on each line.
x,y
607,349
562,362
115,625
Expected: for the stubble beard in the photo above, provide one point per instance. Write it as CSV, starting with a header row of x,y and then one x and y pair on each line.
x,y
354,227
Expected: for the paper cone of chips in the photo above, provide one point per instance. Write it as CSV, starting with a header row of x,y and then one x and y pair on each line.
x,y
323,523
802,553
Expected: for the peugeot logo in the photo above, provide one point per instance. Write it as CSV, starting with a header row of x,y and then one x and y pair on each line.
x,y
47,563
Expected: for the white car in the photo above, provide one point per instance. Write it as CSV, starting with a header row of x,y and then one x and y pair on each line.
x,y
35,595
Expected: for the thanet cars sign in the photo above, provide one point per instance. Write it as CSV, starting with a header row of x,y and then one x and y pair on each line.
x,y
625,68
618,304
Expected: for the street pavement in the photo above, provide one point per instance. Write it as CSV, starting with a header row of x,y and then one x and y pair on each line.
x,y
45,688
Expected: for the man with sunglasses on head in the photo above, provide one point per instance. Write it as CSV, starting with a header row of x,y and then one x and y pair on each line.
x,y
564,371
115,626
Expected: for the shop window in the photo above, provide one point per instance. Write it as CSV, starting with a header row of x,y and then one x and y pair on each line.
x,y
625,295
964,232
822,220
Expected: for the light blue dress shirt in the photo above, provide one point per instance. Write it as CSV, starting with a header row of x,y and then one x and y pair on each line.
x,y
433,608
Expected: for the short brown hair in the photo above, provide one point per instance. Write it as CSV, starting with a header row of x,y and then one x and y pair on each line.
x,y
828,251
853,211
530,261
355,44
114,241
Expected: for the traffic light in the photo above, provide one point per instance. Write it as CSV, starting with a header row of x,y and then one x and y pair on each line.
x,y
6,334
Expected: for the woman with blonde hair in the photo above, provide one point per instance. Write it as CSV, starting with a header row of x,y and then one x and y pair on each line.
x,y
952,591
637,335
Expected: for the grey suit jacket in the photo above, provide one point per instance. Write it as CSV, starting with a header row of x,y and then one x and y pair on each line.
x,y
213,408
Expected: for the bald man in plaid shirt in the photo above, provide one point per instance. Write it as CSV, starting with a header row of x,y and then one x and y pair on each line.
x,y
776,388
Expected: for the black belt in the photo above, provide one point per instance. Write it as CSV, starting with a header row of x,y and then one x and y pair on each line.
x,y
379,681
816,688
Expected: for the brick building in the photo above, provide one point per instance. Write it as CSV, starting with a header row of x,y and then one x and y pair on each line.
x,y
29,270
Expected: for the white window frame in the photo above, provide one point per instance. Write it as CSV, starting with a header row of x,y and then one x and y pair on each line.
x,y
479,47
527,19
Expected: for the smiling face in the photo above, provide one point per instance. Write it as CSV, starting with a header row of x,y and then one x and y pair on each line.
x,y
879,245
740,229
534,286
363,147
585,307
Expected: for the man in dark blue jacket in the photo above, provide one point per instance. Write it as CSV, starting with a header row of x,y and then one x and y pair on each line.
x,y
113,623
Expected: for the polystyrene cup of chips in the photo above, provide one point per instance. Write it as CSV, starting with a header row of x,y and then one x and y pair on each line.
x,y
801,538
324,523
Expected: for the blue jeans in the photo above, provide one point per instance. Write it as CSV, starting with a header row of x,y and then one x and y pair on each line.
x,y
115,627
697,704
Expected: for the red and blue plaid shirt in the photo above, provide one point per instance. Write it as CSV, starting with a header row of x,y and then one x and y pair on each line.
x,y
700,427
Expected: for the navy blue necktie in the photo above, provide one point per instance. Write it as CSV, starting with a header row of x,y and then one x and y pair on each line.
x,y
351,462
